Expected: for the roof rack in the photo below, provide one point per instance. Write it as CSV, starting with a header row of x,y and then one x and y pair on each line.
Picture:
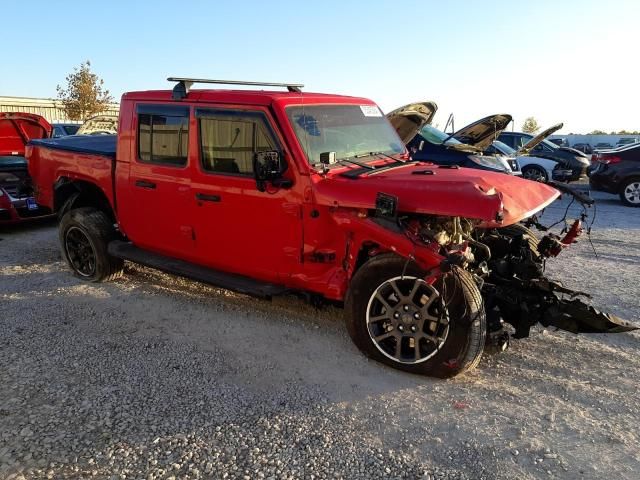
x,y
183,86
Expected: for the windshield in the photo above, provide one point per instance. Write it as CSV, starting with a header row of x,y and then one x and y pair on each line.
x,y
435,136
348,130
504,148
549,144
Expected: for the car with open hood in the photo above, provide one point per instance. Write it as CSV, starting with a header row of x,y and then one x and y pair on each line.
x,y
272,192
16,130
463,148
537,145
534,167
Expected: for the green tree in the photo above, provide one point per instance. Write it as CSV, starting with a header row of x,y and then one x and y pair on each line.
x,y
530,125
597,132
84,94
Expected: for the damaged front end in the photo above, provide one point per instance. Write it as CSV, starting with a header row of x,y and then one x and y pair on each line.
x,y
509,266
517,291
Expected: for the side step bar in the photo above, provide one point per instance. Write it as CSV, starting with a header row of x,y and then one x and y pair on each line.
x,y
237,283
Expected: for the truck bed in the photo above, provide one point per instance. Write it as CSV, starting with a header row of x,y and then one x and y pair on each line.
x,y
104,145
78,158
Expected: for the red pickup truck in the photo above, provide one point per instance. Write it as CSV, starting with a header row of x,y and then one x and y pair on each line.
x,y
267,192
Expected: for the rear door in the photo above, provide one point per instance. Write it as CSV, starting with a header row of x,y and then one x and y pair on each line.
x,y
157,209
238,228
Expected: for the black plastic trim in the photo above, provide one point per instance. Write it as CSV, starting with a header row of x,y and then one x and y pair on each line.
x,y
237,283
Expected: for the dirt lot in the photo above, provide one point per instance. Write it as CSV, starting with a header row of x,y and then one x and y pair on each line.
x,y
154,376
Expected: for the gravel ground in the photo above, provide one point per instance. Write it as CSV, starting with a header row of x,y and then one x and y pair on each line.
x,y
154,376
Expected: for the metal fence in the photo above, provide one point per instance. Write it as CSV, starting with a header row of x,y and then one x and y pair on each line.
x,y
48,108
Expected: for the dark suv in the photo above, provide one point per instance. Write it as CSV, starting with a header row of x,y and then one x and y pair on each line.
x,y
574,160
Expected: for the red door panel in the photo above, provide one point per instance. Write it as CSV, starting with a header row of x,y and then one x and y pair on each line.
x,y
238,228
157,216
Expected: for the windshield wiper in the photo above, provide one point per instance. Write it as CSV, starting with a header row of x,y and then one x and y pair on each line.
x,y
360,164
371,154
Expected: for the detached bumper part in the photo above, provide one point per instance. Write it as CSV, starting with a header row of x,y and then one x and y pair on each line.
x,y
576,316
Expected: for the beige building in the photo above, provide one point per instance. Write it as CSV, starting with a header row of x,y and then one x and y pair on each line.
x,y
49,108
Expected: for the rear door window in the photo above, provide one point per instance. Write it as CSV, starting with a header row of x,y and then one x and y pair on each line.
x,y
163,134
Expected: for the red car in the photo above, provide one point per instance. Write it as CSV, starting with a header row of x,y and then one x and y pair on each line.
x,y
267,192
16,130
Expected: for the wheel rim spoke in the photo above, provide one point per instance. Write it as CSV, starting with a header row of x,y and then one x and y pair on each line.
x,y
431,338
414,290
397,291
416,351
384,336
379,318
398,347
384,303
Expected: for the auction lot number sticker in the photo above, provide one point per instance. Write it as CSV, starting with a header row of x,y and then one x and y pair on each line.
x,y
370,111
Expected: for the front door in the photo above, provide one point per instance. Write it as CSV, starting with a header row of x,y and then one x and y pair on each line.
x,y
238,228
158,198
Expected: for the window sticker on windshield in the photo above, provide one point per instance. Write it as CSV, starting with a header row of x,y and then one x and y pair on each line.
x,y
370,111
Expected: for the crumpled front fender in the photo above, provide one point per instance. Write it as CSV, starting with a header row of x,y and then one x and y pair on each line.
x,y
387,235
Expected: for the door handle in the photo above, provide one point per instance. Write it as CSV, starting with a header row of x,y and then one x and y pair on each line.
x,y
145,184
208,198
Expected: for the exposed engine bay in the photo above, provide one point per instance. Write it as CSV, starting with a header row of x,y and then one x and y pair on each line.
x,y
508,264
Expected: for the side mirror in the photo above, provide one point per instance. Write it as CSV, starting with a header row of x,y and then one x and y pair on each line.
x,y
328,158
269,167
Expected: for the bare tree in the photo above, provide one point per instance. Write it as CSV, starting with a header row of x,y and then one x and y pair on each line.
x,y
530,125
83,96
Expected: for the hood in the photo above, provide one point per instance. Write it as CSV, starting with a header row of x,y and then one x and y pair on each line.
x,y
99,125
575,152
482,133
526,148
410,119
17,129
428,189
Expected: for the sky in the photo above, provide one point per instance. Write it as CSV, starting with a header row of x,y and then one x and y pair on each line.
x,y
569,61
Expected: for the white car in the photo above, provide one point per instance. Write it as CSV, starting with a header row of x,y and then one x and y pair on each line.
x,y
533,168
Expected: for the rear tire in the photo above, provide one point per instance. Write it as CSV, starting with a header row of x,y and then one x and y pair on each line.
x,y
84,234
395,317
535,173
630,192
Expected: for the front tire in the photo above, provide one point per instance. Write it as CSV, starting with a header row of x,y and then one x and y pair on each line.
x,y
84,234
630,193
395,317
535,173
